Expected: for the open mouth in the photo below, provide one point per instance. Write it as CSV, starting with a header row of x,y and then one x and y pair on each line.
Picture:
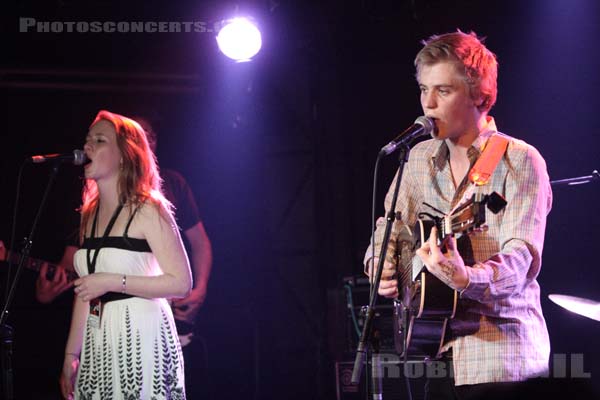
x,y
436,131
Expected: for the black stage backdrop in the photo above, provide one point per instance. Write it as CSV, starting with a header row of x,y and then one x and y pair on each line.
x,y
279,153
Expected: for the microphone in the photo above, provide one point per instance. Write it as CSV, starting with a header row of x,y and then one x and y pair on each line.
x,y
422,126
77,157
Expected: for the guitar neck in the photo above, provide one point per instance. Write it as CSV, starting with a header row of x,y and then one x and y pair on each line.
x,y
35,264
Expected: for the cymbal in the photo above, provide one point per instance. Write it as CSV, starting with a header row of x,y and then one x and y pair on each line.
x,y
578,305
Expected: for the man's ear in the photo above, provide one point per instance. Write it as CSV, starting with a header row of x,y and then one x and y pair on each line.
x,y
478,101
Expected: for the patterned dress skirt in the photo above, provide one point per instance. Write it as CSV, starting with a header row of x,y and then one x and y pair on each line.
x,y
133,354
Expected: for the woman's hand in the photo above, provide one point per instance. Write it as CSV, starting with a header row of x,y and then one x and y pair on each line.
x,y
95,285
68,375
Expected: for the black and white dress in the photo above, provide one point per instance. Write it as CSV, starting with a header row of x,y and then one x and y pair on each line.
x,y
135,352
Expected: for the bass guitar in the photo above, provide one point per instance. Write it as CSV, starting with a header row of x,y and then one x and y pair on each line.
x,y
35,264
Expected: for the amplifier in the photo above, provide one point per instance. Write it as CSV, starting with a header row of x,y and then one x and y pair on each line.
x,y
356,295
393,381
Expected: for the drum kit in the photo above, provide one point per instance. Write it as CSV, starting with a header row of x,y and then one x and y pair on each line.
x,y
578,305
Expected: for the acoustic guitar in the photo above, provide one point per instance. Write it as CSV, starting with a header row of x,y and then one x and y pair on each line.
x,y
430,302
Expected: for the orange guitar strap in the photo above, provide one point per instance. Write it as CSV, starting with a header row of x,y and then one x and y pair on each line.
x,y
486,164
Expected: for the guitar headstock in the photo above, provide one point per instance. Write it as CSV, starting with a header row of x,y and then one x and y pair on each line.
x,y
471,215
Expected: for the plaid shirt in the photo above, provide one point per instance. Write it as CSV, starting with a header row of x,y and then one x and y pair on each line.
x,y
498,333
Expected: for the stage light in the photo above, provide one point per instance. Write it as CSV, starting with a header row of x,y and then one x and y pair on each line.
x,y
239,39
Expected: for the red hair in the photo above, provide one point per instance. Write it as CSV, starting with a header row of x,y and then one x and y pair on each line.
x,y
139,178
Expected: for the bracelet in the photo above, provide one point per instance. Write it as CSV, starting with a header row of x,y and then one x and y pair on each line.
x,y
124,284
72,354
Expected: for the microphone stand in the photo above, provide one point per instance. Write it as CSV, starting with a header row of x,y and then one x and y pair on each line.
x,y
580,180
6,330
376,368
365,337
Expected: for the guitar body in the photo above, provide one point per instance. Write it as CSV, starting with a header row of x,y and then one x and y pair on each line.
x,y
425,337
433,298
431,303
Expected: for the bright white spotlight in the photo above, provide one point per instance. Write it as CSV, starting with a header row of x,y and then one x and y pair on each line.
x,y
239,39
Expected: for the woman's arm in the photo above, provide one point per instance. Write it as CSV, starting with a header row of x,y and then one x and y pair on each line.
x,y
162,234
158,227
73,347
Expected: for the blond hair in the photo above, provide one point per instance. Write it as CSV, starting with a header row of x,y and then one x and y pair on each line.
x,y
475,62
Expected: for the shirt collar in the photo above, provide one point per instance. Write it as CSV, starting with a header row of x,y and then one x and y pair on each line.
x,y
441,156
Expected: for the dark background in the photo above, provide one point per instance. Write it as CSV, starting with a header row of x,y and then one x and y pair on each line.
x,y
280,151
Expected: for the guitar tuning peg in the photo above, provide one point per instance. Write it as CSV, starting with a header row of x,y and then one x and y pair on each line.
x,y
481,229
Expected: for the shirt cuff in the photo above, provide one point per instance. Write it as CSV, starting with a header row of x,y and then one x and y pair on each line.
x,y
479,282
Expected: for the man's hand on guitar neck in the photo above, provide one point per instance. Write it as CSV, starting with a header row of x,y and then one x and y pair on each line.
x,y
2,251
47,290
449,267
